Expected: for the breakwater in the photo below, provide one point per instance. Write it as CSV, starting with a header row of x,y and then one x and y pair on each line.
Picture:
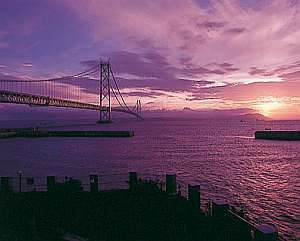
x,y
278,135
36,132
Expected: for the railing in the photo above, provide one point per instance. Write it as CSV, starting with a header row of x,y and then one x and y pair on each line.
x,y
216,209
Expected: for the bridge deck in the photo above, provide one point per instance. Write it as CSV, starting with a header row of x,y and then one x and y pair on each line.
x,y
38,100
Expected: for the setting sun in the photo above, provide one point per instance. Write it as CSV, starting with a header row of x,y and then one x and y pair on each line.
x,y
268,106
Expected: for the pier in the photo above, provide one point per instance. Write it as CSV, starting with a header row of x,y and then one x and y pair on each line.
x,y
36,132
278,135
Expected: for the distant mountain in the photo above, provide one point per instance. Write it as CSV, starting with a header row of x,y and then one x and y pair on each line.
x,y
188,113
254,116
11,112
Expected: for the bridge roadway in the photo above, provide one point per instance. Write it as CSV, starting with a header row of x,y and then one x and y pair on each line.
x,y
38,100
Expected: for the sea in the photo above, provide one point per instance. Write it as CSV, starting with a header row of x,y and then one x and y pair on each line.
x,y
222,156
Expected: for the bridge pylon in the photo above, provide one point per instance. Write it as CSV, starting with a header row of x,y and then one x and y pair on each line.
x,y
138,108
105,93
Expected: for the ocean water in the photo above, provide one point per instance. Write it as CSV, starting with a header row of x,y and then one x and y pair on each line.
x,y
221,155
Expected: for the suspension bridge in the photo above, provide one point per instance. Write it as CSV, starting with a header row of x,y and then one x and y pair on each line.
x,y
93,89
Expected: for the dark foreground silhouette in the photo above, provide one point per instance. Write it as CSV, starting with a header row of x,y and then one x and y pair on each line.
x,y
143,212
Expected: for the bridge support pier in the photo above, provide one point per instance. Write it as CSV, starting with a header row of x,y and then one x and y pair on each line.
x,y
104,121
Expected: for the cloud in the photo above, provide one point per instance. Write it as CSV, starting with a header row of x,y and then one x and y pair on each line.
x,y
203,53
291,76
235,30
248,92
183,30
211,25
9,76
258,71
27,65
152,70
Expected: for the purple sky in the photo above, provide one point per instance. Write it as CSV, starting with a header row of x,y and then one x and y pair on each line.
x,y
172,54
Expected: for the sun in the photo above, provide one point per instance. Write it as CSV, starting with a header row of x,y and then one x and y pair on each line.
x,y
268,106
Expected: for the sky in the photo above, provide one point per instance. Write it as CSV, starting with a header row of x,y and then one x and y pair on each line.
x,y
171,54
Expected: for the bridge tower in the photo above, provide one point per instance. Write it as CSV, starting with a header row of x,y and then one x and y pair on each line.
x,y
138,108
105,93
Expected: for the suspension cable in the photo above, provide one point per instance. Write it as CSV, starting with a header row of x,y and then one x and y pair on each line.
x,y
119,89
90,71
117,98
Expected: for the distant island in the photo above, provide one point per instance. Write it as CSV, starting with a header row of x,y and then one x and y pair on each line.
x,y
243,114
229,114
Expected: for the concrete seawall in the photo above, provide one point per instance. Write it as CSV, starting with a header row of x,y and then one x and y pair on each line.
x,y
278,135
142,210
